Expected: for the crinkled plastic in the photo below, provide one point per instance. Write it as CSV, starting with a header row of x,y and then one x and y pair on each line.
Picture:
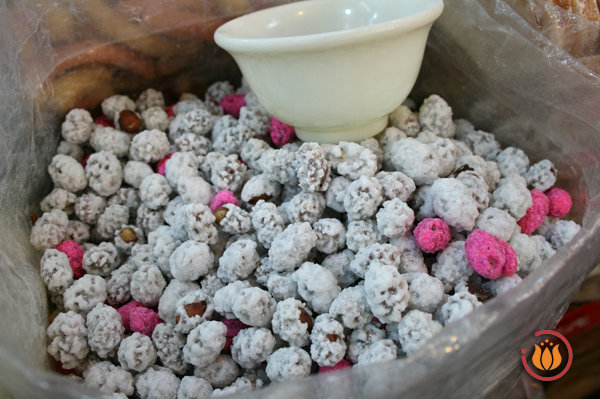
x,y
498,63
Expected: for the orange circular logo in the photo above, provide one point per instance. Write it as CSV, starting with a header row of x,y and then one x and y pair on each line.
x,y
547,357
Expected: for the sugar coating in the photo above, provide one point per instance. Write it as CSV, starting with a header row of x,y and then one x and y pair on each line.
x,y
220,373
77,127
314,171
164,247
109,139
435,115
194,388
72,150
255,119
104,173
387,292
395,218
336,192
238,261
292,322
228,173
458,306
155,118
353,160
446,151
386,139
559,202
328,345
339,265
361,339
232,139
360,233
331,235
194,189
222,123
224,297
67,335
536,214
67,173
200,223
253,306
267,222
108,379
243,384
147,285
452,267
317,286
123,246
374,255
383,350
512,161
157,383
252,346
282,287
111,220
136,352
404,119
426,292
279,165
352,308
204,343
290,247
218,90
149,146
411,256
478,188
59,199
252,151
288,363
190,261
56,272
118,285
362,198
155,191
169,347
179,165
211,284
306,207
453,203
113,105
502,285
84,294
260,187
497,222
512,195
415,328
101,260
541,176
562,232
134,173
416,160
482,144
105,329
77,231
187,104
191,310
544,247
396,185
197,121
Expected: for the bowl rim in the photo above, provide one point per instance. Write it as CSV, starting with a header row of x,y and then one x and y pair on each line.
x,y
319,41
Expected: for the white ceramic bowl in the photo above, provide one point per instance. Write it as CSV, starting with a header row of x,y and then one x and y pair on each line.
x,y
333,69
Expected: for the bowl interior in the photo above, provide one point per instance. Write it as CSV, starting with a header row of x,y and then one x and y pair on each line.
x,y
316,17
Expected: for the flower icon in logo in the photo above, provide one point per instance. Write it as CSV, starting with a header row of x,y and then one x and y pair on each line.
x,y
546,356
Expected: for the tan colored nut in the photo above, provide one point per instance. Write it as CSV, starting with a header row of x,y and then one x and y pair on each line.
x,y
129,121
195,309
332,337
128,235
263,197
220,214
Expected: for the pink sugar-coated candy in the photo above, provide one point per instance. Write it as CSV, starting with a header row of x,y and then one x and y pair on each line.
x,y
143,320
162,164
485,254
535,214
75,255
432,235
281,133
512,262
104,121
342,364
169,111
232,104
222,198
234,326
560,202
125,312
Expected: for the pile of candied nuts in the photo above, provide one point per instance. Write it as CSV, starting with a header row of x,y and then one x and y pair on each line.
x,y
200,249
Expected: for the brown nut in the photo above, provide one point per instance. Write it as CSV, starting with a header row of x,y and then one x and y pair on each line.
x,y
481,294
463,168
220,214
332,337
128,235
306,319
195,309
129,121
263,197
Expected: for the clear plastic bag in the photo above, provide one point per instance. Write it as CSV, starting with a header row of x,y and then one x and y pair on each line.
x,y
494,67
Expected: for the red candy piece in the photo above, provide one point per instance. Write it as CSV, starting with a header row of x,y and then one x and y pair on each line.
x,y
536,214
432,235
104,121
489,256
143,320
234,326
281,133
62,370
125,312
560,202
222,198
232,104
162,164
169,111
85,160
342,364
75,255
